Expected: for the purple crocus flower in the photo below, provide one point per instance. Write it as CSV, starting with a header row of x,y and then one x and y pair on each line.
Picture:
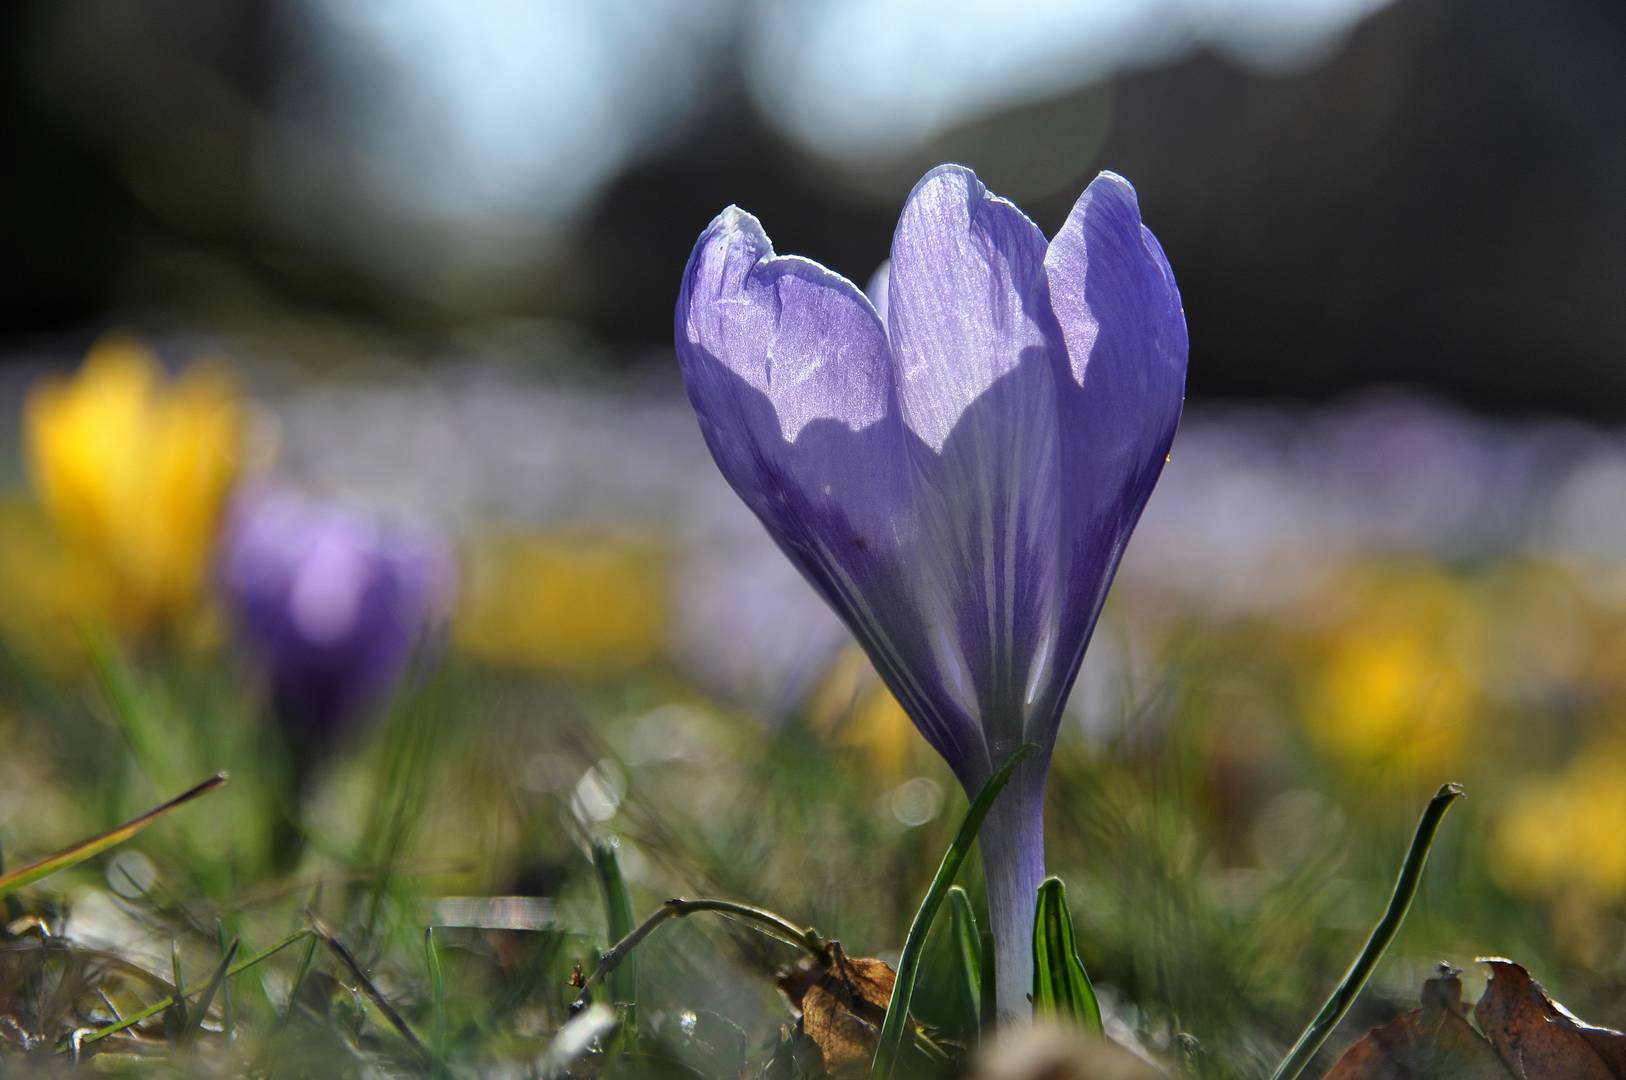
x,y
333,602
958,474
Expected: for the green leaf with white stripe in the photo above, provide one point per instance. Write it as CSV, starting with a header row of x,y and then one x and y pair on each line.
x,y
966,945
1061,987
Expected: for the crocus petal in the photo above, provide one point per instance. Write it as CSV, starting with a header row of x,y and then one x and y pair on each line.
x,y
784,363
1115,300
978,355
333,603
965,298
878,287
789,372
976,346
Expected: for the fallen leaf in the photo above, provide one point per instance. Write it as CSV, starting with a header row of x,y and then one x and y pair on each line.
x,y
1539,1038
795,1057
1522,1034
842,1006
1435,1041
795,982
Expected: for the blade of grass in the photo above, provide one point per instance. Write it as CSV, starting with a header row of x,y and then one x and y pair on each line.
x,y
1344,994
194,1021
967,949
299,981
159,1006
897,1010
228,1002
8,903
437,988
619,921
775,926
130,703
382,1003
410,740
86,849
107,1003
180,1018
1061,986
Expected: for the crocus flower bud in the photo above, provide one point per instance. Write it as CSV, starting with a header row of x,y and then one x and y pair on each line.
x,y
333,602
134,468
958,476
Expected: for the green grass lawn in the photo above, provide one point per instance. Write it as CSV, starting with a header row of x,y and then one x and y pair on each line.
x,y
434,889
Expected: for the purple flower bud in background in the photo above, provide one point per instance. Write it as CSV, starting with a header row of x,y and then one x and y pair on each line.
x,y
333,603
956,475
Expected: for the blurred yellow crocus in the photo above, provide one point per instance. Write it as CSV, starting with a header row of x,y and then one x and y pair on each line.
x,y
855,709
51,589
579,603
134,468
1395,680
1561,835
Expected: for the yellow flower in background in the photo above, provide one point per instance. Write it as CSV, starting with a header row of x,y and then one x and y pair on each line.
x,y
1564,835
854,708
1395,678
134,468
575,604
51,589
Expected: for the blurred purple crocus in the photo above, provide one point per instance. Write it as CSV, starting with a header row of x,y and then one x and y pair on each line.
x,y
333,603
957,473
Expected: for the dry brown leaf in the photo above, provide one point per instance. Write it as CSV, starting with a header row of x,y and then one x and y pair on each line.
x,y
842,1006
1538,1038
795,982
1435,1041
846,1041
1522,1033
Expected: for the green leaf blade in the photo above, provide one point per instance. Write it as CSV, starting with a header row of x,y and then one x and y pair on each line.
x,y
87,849
1349,987
897,1010
1061,986
619,922
195,1015
966,943
437,989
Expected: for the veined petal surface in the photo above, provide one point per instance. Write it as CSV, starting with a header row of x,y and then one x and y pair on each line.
x,y
976,346
1120,392
788,368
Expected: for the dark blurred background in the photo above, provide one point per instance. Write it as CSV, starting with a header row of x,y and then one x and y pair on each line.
x,y
1429,192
